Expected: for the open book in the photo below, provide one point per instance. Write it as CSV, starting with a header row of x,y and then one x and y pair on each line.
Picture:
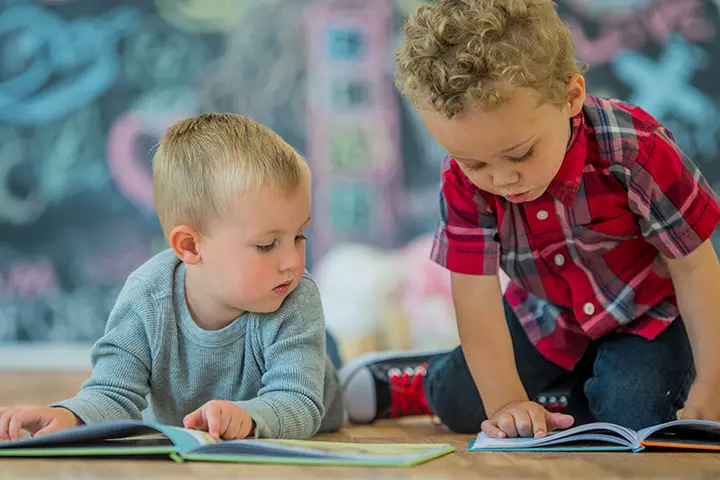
x,y
681,434
132,439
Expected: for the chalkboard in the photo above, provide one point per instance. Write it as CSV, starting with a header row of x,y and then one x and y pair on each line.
x,y
87,86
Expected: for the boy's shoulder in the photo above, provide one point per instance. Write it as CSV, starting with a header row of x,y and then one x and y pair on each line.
x,y
155,277
620,129
158,269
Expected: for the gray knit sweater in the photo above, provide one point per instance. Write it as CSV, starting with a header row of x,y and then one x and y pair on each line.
x,y
273,365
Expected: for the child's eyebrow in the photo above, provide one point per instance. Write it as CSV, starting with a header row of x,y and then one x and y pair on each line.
x,y
517,146
280,231
468,160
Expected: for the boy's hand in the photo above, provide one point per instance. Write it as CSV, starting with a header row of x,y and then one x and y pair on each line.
x,y
36,419
701,404
221,419
524,419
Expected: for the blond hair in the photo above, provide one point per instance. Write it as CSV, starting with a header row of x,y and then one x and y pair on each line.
x,y
203,162
458,54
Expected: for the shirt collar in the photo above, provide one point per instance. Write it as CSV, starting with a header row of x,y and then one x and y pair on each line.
x,y
566,183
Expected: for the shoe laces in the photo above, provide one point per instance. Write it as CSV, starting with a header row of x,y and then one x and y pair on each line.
x,y
407,393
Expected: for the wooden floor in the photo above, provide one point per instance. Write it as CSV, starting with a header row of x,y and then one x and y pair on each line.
x,y
37,387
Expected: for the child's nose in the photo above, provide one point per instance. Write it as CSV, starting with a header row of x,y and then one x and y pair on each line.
x,y
291,260
503,179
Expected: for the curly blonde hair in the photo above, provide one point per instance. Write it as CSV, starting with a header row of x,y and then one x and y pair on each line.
x,y
203,163
462,53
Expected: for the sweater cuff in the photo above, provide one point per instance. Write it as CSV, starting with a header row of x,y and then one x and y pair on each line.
x,y
267,421
85,410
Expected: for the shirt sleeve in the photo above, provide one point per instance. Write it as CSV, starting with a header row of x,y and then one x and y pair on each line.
x,y
290,402
121,363
466,238
677,208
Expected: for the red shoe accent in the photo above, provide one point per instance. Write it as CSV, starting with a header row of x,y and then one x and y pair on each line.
x,y
407,393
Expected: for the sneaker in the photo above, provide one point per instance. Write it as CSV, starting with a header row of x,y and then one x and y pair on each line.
x,y
386,385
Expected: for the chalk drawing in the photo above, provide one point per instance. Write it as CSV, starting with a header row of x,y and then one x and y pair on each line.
x,y
598,9
430,152
350,208
158,55
345,44
65,317
150,115
121,253
204,16
269,87
20,199
632,30
25,279
69,155
53,66
131,170
663,88
409,7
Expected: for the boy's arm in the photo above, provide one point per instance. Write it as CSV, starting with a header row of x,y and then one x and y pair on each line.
x,y
696,278
121,363
678,212
486,340
290,402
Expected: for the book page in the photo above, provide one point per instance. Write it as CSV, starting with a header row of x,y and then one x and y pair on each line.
x,y
84,435
590,431
318,449
683,431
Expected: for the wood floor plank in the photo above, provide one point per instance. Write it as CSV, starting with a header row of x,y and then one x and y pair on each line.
x,y
45,387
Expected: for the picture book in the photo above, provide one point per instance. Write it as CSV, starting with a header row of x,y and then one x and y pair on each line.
x,y
133,439
677,434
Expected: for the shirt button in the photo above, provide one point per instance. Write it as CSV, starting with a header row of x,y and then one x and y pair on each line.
x,y
559,260
589,308
542,215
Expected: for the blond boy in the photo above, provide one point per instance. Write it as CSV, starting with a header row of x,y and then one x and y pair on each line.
x,y
224,331
590,207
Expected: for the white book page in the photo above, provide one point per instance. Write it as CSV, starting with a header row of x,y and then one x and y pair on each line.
x,y
597,429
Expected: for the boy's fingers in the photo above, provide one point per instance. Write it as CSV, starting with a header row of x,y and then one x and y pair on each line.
x,y
539,425
225,422
234,429
491,430
558,421
4,424
506,423
523,423
51,427
195,420
212,415
16,424
246,427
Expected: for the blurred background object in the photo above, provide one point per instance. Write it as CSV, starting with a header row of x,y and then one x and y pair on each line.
x,y
86,88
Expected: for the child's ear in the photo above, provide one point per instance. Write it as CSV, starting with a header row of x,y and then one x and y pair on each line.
x,y
184,241
576,95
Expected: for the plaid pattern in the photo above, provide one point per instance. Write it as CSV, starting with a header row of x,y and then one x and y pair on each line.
x,y
584,258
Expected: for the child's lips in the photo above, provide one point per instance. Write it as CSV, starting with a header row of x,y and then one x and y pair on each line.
x,y
282,288
517,198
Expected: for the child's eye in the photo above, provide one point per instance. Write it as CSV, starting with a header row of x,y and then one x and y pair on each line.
x,y
524,157
300,238
268,247
475,167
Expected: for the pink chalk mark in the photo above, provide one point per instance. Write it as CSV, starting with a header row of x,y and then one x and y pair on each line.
x,y
127,170
630,30
29,279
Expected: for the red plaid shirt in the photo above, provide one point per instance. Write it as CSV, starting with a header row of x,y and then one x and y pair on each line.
x,y
584,258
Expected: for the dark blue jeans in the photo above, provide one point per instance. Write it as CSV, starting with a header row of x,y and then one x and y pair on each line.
x,y
623,379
